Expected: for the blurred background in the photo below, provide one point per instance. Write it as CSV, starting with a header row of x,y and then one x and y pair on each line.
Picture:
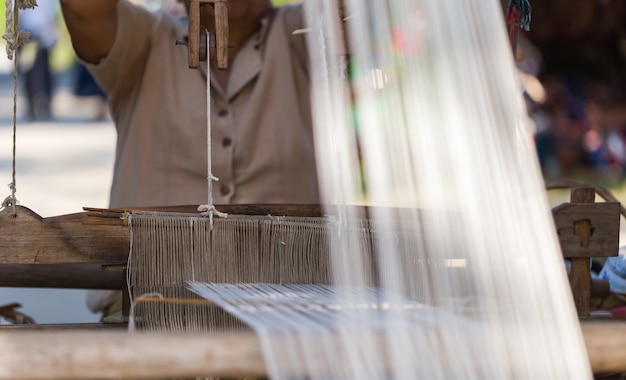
x,y
572,71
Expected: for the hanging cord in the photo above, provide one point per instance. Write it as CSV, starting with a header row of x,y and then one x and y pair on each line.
x,y
518,16
15,38
209,208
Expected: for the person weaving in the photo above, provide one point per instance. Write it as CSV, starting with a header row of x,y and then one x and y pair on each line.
x,y
262,137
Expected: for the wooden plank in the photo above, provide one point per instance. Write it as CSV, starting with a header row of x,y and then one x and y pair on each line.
x,y
27,238
96,236
23,239
604,219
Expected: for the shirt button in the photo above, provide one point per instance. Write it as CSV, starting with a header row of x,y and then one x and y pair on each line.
x,y
226,142
222,113
224,190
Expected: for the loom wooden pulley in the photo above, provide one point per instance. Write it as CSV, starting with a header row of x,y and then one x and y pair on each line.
x,y
586,229
199,47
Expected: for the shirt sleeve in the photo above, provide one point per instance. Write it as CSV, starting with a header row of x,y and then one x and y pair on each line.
x,y
119,71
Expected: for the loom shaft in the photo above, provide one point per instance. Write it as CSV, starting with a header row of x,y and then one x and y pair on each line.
x,y
47,355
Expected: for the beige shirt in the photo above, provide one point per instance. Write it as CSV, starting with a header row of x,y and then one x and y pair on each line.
x,y
262,138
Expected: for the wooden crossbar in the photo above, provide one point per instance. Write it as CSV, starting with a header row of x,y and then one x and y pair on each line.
x,y
82,354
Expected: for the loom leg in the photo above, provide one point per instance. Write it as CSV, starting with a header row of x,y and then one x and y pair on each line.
x,y
580,278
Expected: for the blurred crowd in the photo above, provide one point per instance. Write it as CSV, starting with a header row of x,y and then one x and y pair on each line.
x,y
47,66
573,64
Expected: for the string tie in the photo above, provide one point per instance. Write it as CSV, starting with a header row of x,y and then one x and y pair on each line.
x,y
210,210
14,37
9,201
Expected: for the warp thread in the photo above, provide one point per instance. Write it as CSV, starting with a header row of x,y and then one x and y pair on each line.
x,y
209,209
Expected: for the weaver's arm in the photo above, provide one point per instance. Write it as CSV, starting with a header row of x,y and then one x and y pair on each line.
x,y
92,25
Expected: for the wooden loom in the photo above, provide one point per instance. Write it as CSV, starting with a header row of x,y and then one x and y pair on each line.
x,y
69,251
84,242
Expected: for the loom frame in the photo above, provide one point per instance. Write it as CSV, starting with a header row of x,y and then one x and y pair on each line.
x,y
82,243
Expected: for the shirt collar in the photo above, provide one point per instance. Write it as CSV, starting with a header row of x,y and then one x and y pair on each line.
x,y
249,60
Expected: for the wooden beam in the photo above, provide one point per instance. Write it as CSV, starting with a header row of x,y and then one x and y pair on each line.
x,y
27,238
45,355
113,355
61,276
606,345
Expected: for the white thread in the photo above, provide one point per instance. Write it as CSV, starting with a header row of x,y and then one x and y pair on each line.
x,y
129,261
209,209
131,317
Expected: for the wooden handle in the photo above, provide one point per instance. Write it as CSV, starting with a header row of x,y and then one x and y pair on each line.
x,y
195,39
194,34
221,34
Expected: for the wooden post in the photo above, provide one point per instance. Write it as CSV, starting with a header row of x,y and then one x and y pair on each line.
x,y
580,277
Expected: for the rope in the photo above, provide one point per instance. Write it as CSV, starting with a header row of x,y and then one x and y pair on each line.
x,y
15,38
209,208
